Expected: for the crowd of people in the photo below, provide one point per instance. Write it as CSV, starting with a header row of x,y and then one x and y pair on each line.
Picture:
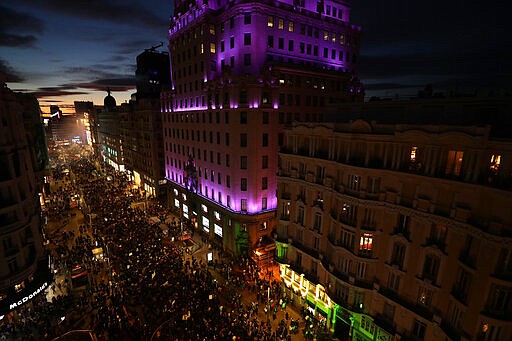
x,y
145,287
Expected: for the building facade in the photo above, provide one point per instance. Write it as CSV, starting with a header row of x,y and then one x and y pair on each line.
x,y
240,70
24,269
398,231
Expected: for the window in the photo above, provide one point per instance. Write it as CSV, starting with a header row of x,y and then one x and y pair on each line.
x,y
347,239
494,165
212,47
212,29
243,205
243,117
227,139
424,296
243,162
264,183
270,21
366,243
302,47
389,312
265,140
373,186
228,160
285,210
354,182
462,284
265,117
348,214
290,45
403,225
243,140
398,255
247,18
300,215
454,162
243,184
498,299
317,224
290,26
280,44
270,41
263,203
437,234
418,329
264,162
280,24
361,270
247,39
413,153
394,281
431,267
232,43
247,59
228,181
222,46
231,22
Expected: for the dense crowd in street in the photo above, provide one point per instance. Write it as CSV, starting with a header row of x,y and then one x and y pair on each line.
x,y
145,287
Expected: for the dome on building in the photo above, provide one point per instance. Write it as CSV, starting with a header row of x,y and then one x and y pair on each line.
x,y
109,101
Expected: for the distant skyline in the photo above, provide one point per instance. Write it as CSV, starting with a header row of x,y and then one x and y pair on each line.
x,y
63,51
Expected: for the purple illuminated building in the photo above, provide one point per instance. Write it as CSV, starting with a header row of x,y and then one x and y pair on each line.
x,y
240,72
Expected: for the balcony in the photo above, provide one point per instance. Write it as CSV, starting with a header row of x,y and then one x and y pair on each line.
x,y
311,252
365,253
436,243
421,310
497,313
385,323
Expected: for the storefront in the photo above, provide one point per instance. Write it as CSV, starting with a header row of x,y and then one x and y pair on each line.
x,y
27,290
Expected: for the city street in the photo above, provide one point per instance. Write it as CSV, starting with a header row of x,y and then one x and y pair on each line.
x,y
110,288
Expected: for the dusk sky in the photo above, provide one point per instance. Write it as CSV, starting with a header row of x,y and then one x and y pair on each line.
x,y
65,50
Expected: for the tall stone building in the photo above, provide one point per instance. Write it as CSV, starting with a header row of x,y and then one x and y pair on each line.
x,y
398,226
240,70
24,269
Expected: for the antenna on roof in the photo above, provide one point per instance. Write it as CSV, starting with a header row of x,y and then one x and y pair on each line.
x,y
153,48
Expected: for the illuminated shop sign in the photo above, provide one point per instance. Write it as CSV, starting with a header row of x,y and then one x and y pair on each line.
x,y
28,297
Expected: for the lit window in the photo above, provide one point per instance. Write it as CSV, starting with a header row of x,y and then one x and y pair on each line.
x,y
212,29
454,162
205,209
413,153
326,35
366,242
270,22
280,24
212,47
342,39
290,26
495,163
424,296
333,39
202,48
19,287
216,215
243,205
